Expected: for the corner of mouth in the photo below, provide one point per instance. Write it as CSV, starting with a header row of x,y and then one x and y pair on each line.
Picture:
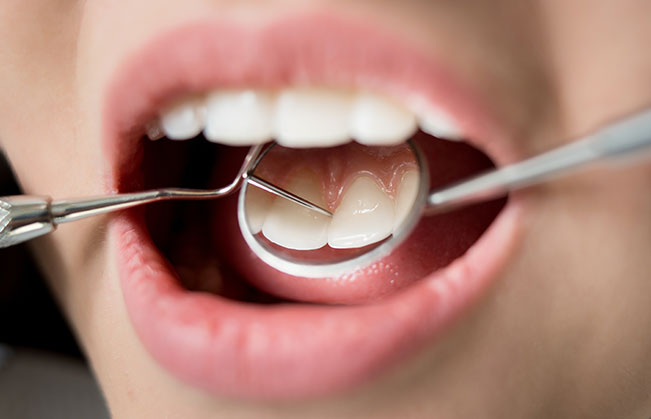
x,y
286,351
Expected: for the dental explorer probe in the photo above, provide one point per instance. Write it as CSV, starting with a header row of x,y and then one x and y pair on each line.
x,y
629,137
24,217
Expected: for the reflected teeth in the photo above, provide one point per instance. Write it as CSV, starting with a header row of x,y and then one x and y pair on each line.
x,y
365,215
293,226
300,118
258,203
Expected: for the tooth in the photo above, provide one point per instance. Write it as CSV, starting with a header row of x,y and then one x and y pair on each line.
x,y
258,203
183,120
154,131
406,196
364,216
240,117
293,226
377,120
437,124
312,117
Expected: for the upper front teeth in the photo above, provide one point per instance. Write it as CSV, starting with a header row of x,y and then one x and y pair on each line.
x,y
319,117
239,117
299,117
379,121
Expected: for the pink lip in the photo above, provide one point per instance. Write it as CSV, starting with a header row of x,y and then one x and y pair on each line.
x,y
287,351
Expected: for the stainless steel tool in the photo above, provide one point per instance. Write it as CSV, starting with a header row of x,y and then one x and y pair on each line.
x,y
25,217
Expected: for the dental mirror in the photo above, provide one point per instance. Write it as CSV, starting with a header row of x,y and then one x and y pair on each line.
x,y
626,141
399,192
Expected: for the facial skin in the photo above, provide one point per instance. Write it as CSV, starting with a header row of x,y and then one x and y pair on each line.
x,y
564,330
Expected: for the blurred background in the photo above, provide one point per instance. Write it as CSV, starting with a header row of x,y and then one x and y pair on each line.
x,y
42,371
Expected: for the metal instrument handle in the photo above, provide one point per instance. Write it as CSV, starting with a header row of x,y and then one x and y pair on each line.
x,y
628,137
23,218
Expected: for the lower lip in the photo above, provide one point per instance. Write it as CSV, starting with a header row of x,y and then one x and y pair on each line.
x,y
293,351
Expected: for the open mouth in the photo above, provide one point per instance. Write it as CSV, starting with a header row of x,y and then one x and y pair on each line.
x,y
201,302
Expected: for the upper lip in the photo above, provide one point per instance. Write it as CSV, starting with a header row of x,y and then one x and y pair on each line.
x,y
200,56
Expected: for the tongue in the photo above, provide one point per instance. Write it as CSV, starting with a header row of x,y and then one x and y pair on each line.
x,y
435,243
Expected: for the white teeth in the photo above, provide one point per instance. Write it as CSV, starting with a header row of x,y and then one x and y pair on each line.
x,y
258,203
313,117
239,117
378,120
183,120
293,226
301,118
154,131
437,124
364,216
406,196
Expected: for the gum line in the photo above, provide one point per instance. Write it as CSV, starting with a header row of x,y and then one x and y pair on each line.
x,y
339,167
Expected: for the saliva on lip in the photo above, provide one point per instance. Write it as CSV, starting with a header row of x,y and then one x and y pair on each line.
x,y
369,190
